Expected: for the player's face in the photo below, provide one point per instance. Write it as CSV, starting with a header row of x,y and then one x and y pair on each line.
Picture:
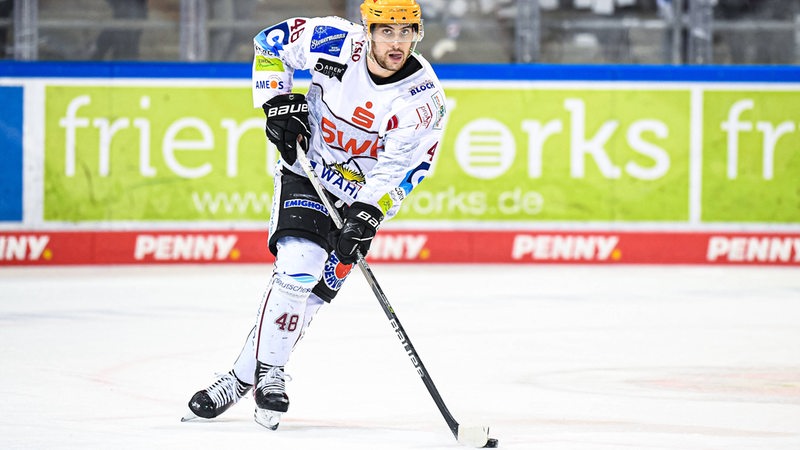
x,y
391,47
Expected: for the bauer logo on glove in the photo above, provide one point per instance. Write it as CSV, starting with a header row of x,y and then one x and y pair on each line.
x,y
287,119
361,222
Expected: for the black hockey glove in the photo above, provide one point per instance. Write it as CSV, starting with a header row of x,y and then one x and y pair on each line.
x,y
360,225
287,118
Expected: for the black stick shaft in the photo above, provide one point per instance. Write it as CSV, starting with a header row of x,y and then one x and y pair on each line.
x,y
409,347
382,299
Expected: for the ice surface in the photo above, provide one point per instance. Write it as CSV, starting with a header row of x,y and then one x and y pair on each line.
x,y
551,357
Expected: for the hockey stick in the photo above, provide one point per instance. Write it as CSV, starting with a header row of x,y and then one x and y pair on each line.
x,y
475,436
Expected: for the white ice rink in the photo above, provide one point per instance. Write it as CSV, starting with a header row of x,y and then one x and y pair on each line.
x,y
551,357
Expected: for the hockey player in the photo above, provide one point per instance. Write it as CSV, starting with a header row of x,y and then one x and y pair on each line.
x,y
372,120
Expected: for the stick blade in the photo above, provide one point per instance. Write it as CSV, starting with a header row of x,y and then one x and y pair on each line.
x,y
474,436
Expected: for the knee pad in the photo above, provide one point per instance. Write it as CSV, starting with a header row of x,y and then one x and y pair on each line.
x,y
299,262
298,257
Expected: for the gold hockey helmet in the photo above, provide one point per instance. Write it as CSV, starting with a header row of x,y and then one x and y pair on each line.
x,y
392,11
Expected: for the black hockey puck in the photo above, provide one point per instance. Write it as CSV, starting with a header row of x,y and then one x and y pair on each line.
x,y
492,443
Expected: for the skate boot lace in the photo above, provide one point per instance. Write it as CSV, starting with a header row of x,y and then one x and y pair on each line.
x,y
274,381
223,391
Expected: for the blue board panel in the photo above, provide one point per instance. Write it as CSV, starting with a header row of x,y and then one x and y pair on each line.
x,y
10,153
509,72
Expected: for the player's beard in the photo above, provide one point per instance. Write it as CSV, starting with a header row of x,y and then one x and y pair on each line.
x,y
390,59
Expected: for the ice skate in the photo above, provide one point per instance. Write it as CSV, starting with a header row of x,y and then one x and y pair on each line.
x,y
217,398
270,395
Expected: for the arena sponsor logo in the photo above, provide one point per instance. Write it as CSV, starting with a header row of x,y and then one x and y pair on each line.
x,y
399,247
183,247
87,137
753,249
25,248
428,84
547,247
486,139
773,136
308,204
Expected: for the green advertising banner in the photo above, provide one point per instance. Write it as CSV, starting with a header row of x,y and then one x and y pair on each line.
x,y
751,156
510,153
153,153
543,154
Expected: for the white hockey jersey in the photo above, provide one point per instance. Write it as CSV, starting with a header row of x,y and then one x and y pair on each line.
x,y
371,142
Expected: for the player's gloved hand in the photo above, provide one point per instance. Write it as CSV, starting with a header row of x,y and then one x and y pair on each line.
x,y
287,118
360,225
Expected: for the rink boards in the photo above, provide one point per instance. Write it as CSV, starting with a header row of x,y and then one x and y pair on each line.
x,y
126,163
407,246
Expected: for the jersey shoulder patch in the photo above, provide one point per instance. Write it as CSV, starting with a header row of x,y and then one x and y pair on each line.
x,y
328,40
332,44
273,40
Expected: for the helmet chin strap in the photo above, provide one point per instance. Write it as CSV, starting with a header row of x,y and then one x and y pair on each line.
x,y
368,45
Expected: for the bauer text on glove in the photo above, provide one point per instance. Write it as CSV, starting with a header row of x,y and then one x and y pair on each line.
x,y
360,225
287,118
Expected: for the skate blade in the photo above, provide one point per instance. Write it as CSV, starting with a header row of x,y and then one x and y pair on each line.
x,y
189,416
268,419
